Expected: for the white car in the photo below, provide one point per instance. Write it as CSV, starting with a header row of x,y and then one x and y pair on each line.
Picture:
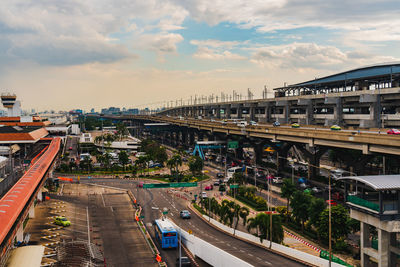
x,y
204,195
316,190
253,123
277,180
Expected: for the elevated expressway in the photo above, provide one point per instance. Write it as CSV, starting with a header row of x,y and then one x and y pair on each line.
x,y
366,141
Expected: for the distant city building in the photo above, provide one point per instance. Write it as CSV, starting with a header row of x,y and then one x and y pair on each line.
x,y
92,110
111,111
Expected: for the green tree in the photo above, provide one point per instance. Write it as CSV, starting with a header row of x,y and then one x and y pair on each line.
x,y
316,208
123,158
238,178
300,207
86,164
243,213
262,225
122,131
173,164
287,191
340,220
195,165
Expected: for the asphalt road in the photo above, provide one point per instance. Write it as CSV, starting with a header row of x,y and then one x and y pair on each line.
x,y
155,200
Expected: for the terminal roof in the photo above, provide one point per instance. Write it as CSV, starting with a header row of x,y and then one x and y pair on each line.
x,y
363,73
377,182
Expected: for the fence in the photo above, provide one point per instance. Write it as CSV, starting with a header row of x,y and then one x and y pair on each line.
x,y
363,203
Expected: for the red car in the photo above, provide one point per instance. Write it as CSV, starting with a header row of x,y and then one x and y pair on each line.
x,y
393,131
337,196
209,187
333,202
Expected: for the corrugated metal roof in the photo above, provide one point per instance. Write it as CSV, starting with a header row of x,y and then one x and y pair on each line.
x,y
377,182
356,74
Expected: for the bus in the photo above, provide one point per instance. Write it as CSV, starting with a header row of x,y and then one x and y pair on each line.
x,y
231,171
166,233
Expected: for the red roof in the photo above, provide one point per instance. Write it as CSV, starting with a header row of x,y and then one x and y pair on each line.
x,y
34,135
12,204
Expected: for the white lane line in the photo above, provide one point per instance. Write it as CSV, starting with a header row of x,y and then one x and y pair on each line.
x,y
102,198
267,262
258,258
112,210
251,255
241,250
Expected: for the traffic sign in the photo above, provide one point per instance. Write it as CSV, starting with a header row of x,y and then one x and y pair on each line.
x,y
155,185
165,212
194,184
234,186
168,185
233,144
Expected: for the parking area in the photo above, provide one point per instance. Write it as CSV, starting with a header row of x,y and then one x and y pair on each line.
x,y
102,228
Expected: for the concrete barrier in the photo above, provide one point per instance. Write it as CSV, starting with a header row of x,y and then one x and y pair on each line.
x,y
300,255
210,253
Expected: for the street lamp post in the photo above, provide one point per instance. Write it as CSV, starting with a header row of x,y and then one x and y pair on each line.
x,y
330,223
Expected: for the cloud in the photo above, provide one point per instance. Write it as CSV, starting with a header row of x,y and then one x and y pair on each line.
x,y
161,43
312,56
70,32
206,53
272,15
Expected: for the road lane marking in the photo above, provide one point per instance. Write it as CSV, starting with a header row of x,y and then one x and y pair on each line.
x,y
267,262
102,198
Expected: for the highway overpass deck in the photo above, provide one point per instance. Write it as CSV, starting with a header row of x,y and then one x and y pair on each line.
x,y
366,141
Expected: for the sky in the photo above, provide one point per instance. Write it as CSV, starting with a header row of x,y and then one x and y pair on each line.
x,y
62,55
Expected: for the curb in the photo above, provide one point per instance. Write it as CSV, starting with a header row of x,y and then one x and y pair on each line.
x,y
302,241
249,242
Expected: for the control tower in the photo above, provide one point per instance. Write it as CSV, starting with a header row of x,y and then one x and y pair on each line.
x,y
13,106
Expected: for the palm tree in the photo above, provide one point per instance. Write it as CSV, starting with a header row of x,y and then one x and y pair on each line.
x,y
243,213
262,224
287,191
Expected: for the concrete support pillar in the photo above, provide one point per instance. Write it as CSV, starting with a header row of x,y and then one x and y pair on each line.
x,y
383,248
252,111
286,113
365,244
218,112
338,111
31,212
228,112
375,114
393,243
191,138
259,151
309,114
239,112
19,236
184,138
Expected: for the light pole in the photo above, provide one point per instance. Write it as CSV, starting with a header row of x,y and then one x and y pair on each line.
x,y
330,222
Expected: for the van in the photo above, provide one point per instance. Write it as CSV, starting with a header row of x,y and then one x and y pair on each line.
x,y
241,123
231,171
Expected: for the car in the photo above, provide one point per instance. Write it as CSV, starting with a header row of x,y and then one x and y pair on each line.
x,y
393,131
337,196
70,148
336,128
62,221
295,125
209,187
184,214
217,182
140,185
316,190
303,185
277,180
204,195
333,202
222,188
185,262
253,123
155,165
276,124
